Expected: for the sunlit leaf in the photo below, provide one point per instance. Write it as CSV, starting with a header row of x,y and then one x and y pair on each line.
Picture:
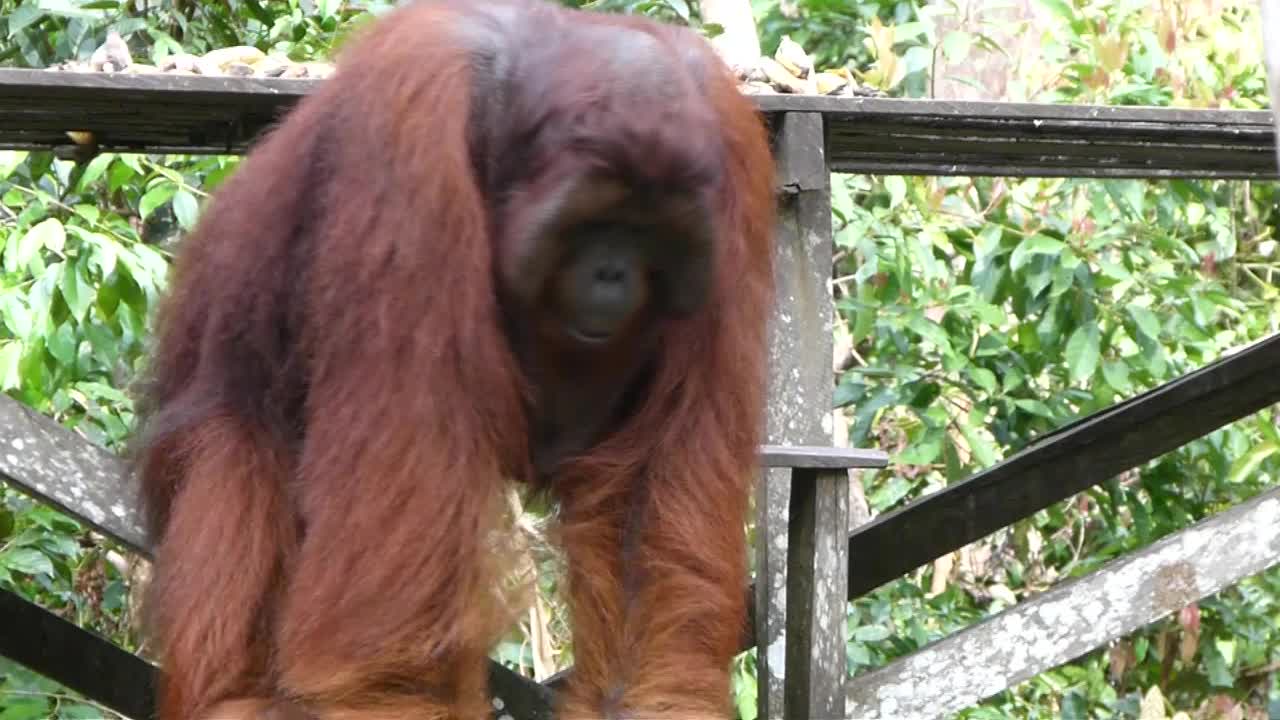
x,y
1083,352
1034,245
48,233
10,358
1247,465
1116,373
185,208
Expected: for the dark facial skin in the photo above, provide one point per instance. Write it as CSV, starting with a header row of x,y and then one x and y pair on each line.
x,y
604,284
596,283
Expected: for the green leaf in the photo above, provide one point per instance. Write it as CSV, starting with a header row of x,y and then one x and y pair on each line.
x,y
11,159
956,45
62,344
1035,407
890,493
106,345
98,391
848,392
1219,673
48,233
103,256
1113,270
982,377
40,297
897,188
1038,279
76,289
94,170
1012,379
681,8
10,365
78,711
1146,321
746,700
1034,245
185,208
158,195
924,450
909,30
23,16
871,633
1128,195
28,561
25,708
1116,373
984,453
929,330
90,213
1061,8
1227,647
121,173
1083,352
1074,706
1245,466
992,315
16,315
12,246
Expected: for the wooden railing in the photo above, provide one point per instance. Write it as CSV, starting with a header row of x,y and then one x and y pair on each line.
x,y
803,542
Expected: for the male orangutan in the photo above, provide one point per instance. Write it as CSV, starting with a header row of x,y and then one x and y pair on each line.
x,y
506,241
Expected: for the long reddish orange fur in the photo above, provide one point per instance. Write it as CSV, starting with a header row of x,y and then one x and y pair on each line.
x,y
343,278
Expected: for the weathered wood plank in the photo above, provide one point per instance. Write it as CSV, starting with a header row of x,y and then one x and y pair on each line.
x,y
1075,617
116,678
816,665
80,660
815,457
800,386
70,473
1061,463
832,106
164,113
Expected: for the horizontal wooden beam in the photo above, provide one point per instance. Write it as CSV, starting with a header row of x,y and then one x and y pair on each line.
x,y
199,115
1074,617
801,457
944,137
81,661
85,481
1064,462
111,676
63,469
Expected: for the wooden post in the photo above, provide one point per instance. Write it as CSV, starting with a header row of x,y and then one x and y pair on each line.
x,y
1271,53
800,392
817,586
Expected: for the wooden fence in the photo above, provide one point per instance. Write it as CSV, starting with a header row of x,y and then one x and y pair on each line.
x,y
808,563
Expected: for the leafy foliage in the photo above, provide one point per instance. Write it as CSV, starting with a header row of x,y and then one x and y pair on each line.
x,y
979,313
